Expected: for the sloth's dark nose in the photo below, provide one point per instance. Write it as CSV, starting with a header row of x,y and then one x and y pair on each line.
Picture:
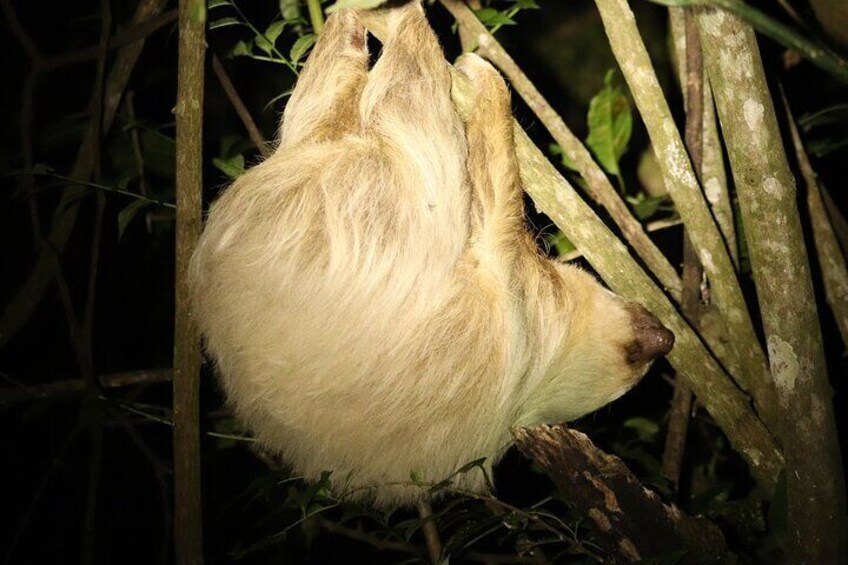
x,y
652,338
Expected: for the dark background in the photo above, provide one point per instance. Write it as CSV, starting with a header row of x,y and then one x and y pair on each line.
x,y
45,445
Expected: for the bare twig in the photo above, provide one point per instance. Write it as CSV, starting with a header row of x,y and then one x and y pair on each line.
x,y
681,402
767,198
138,155
232,95
188,517
831,260
76,386
431,533
837,220
713,175
598,185
359,534
135,32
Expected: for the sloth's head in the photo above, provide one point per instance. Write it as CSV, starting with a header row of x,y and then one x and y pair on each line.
x,y
606,346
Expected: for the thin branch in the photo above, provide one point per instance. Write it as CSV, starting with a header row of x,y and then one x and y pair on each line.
x,y
243,113
683,187
31,393
359,534
188,517
22,305
138,155
431,533
136,32
837,220
831,260
767,198
632,523
598,185
692,71
316,15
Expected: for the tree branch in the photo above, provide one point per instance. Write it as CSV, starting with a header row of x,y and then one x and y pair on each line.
x,y
831,260
632,522
766,189
683,187
188,517
232,95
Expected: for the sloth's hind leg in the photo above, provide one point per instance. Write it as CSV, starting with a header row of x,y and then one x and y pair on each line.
x,y
497,200
325,102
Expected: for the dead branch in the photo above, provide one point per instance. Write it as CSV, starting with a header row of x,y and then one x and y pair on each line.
x,y
632,522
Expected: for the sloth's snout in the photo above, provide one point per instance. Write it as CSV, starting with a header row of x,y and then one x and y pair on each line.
x,y
652,338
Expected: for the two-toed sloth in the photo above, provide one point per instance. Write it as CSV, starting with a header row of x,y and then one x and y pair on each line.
x,y
369,293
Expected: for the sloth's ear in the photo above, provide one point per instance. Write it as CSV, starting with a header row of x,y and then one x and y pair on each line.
x,y
325,101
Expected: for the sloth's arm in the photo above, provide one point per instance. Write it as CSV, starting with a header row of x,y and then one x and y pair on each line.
x,y
325,104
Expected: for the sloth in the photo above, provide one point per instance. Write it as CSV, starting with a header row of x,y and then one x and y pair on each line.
x,y
369,294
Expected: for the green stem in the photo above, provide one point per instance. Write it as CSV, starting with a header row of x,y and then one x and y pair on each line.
x,y
316,16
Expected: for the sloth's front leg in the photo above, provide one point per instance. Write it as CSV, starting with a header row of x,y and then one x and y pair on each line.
x,y
325,103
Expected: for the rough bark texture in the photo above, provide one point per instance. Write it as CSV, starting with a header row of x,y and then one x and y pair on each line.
x,y
683,187
831,260
597,184
28,297
632,522
713,174
766,189
188,532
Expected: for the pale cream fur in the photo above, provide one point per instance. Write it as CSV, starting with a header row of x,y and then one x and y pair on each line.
x,y
369,294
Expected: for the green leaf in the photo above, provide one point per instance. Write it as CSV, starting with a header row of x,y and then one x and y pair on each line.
x,y
266,46
274,30
225,22
645,206
356,4
301,46
217,3
492,17
610,125
526,5
290,10
242,49
129,212
646,429
232,167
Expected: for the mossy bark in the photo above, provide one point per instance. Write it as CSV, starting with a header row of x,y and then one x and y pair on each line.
x,y
767,196
684,189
